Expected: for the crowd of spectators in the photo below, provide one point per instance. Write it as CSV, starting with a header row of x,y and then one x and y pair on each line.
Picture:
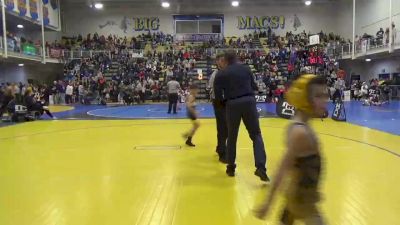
x,y
138,79
21,44
381,38
124,78
34,97
111,43
372,92
118,76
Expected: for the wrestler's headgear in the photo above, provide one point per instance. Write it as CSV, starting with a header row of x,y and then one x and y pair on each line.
x,y
298,94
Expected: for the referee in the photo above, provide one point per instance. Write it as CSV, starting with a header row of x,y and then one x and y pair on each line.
x,y
236,85
219,110
173,87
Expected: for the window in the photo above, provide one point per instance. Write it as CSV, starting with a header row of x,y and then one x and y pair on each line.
x,y
186,27
198,26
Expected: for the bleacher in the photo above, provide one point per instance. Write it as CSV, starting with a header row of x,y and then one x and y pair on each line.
x,y
201,83
112,70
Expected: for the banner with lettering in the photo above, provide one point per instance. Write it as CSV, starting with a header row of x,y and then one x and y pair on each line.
x,y
197,37
55,53
46,19
146,23
260,22
339,113
9,5
33,8
261,98
284,110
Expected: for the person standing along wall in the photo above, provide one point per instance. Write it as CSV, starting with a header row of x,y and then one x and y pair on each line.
x,y
173,88
69,91
219,110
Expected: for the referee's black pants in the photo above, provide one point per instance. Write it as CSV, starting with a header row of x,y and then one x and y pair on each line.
x,y
222,128
244,108
173,101
337,96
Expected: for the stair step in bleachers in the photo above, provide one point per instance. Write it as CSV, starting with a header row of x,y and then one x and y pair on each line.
x,y
202,84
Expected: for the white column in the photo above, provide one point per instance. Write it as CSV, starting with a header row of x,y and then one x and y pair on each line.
x,y
43,41
3,12
59,16
353,54
390,27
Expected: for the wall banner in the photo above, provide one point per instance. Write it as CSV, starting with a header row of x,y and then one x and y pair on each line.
x,y
22,7
46,19
33,8
9,5
197,37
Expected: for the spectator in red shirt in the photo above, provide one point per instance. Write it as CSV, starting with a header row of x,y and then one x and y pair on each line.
x,y
186,55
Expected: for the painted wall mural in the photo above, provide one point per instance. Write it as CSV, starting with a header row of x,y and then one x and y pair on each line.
x,y
109,23
146,23
137,24
260,22
296,22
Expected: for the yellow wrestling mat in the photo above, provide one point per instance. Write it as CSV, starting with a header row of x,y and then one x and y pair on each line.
x,y
135,172
60,108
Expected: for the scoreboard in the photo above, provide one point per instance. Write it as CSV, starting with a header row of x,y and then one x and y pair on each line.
x,y
315,55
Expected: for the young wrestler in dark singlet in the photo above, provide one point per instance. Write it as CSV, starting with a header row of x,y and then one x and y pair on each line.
x,y
302,161
192,114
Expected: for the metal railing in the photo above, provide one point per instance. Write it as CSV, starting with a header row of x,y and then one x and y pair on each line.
x,y
364,46
372,44
62,54
394,92
237,50
396,39
339,50
23,49
333,49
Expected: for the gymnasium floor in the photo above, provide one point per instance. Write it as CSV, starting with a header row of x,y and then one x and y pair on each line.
x,y
113,165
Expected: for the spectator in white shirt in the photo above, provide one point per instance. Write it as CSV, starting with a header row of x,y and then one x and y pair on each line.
x,y
69,91
170,73
173,88
81,92
339,87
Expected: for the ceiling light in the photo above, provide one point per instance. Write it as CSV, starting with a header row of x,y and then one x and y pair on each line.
x,y
308,2
235,3
21,64
98,5
165,4
20,26
367,60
